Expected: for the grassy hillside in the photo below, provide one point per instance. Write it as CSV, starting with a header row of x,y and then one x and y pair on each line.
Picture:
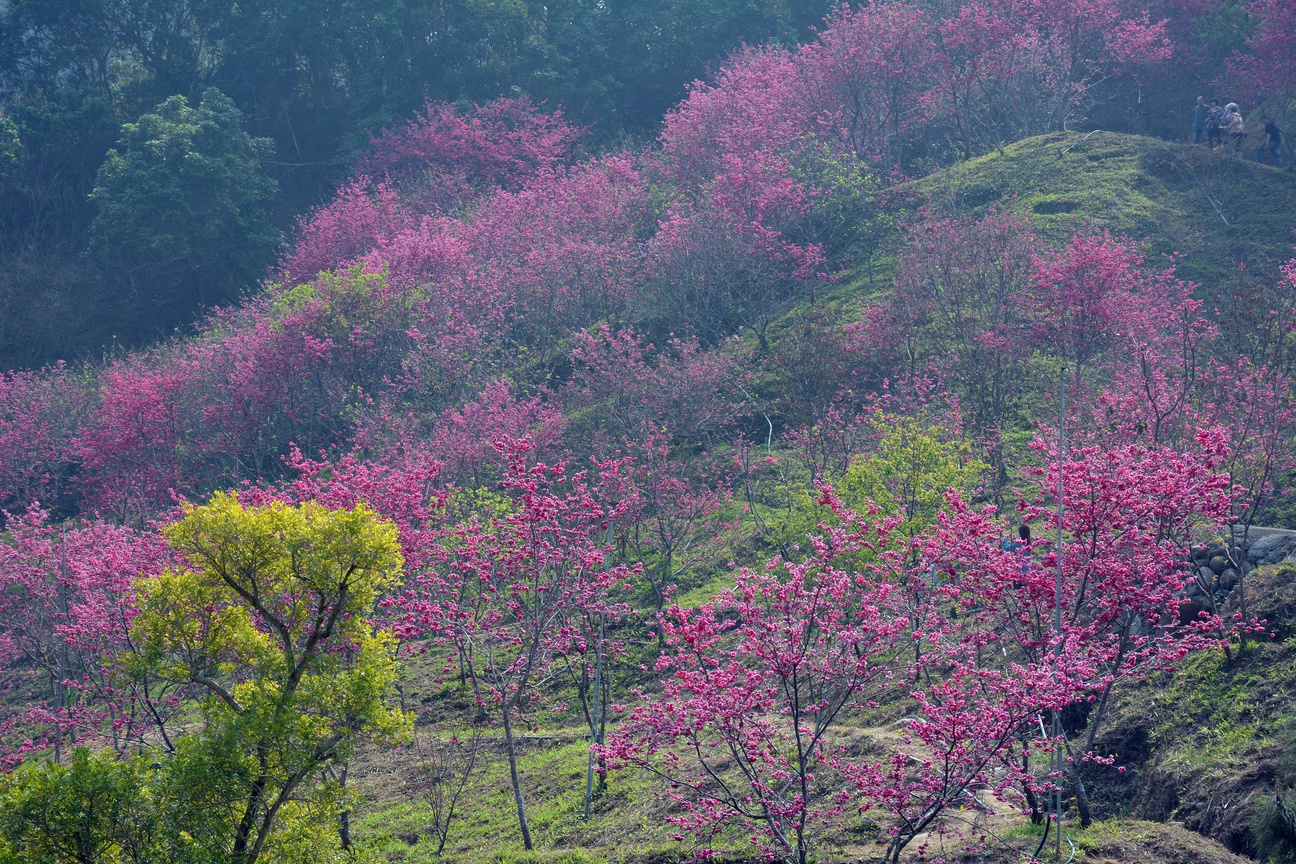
x,y
1198,747
1213,209
1222,218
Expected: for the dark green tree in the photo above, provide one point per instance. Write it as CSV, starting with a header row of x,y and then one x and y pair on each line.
x,y
659,47
184,202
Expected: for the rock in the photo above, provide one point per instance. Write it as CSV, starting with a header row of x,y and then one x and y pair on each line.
x,y
1271,546
1229,578
1219,563
1206,575
1189,611
864,825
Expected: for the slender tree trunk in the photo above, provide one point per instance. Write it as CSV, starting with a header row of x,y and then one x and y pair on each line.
x,y
1082,797
513,774
243,833
1036,815
442,837
344,817
659,597
594,715
400,693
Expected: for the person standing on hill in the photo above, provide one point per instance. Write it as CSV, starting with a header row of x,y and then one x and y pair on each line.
x,y
1200,114
1215,118
1236,127
1272,142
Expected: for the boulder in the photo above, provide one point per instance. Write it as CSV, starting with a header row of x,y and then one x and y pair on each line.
x,y
1189,611
1271,546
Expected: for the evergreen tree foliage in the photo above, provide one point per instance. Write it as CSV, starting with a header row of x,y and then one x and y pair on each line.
x,y
184,193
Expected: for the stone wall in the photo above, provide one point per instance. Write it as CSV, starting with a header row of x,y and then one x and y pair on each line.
x,y
1218,567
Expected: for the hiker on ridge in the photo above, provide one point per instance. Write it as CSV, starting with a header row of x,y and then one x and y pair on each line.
x,y
1272,142
1236,127
1215,119
1200,114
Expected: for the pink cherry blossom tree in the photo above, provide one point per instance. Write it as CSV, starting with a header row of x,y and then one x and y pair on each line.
x,y
1267,66
40,416
1129,514
513,586
66,594
754,686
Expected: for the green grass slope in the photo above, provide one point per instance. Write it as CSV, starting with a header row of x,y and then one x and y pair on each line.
x,y
1202,746
1212,208
1226,746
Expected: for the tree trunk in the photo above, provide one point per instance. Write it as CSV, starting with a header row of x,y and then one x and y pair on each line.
x,y
1036,815
513,774
594,715
344,817
1082,797
243,831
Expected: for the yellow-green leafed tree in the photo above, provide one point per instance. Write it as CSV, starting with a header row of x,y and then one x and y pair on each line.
x,y
906,474
270,628
93,809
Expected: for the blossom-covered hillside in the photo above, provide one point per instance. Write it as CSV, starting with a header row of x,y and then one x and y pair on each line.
x,y
834,476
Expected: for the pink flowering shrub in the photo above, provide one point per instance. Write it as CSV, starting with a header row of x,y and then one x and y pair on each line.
x,y
66,601
624,391
40,413
1266,67
360,217
498,145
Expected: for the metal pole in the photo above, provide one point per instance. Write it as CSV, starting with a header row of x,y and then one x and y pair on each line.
x,y
1057,610
596,720
60,697
596,716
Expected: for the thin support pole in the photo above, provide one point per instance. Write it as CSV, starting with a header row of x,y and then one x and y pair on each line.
x,y
596,716
1057,613
60,694
596,708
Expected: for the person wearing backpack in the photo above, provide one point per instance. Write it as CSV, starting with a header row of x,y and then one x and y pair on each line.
x,y
1215,123
1236,128
1273,142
